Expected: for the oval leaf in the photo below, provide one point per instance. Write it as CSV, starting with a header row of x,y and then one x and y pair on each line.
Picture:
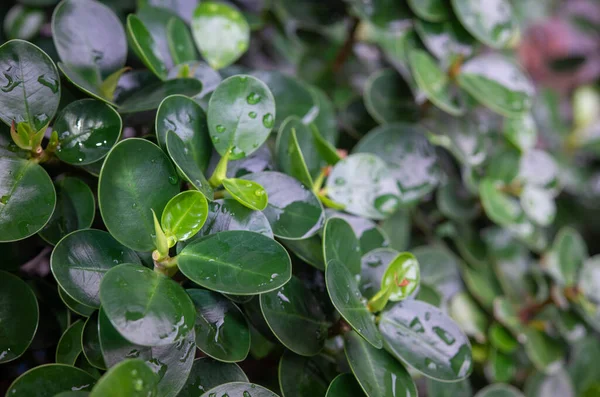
x,y
128,378
69,345
228,214
248,193
50,379
186,165
184,215
493,24
241,389
208,373
340,243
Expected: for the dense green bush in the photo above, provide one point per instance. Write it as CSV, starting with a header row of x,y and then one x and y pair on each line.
x,y
321,197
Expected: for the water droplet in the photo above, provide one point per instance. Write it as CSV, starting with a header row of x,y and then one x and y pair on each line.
x,y
246,394
387,204
241,45
11,83
215,139
4,199
220,128
259,192
173,180
134,205
430,364
236,151
268,120
253,98
50,83
340,181
252,115
138,384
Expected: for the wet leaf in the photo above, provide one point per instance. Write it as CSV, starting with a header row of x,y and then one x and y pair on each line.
x,y
184,215
50,379
208,373
128,378
248,193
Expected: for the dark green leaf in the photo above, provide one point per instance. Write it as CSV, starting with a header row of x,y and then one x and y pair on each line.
x,y
305,376
295,316
69,345
221,33
388,98
293,211
135,298
91,342
186,165
150,96
208,373
80,260
422,336
493,24
430,10
30,85
137,177
545,353
129,378
444,389
340,243
221,329
181,44
297,154
309,250
74,306
27,198
344,385
19,316
567,257
369,234
75,209
236,262
241,114
146,47
376,371
50,379
345,295
240,389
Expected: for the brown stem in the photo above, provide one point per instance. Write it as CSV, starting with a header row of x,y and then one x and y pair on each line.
x,y
346,49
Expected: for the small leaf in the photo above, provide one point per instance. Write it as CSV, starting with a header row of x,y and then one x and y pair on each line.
x,y
296,153
248,193
546,353
305,376
402,277
345,295
228,214
494,24
499,207
423,337
87,130
69,345
90,341
135,298
161,244
181,44
376,371
150,96
51,379
448,41
128,378
145,47
221,33
236,262
221,329
19,315
80,260
472,320
295,316
344,385
186,165
241,114
73,305
340,243
184,215
430,10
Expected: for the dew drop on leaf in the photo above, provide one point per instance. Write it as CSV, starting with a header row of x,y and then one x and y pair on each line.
x,y
268,120
253,98
252,115
220,128
173,180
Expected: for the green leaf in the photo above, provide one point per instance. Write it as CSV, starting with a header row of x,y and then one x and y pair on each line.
x,y
208,373
27,198
181,44
445,389
310,250
295,316
376,371
221,329
567,256
241,114
499,390
305,376
589,275
430,10
340,243
128,378
236,262
546,353
240,389
448,41
91,342
494,24
80,260
471,319
248,193
409,157
369,234
344,385
50,379
499,206
538,204
161,245
87,129
293,211
136,177
325,121
292,96
498,84
345,295
228,214
373,266
209,77
364,184
439,267
172,363
521,131
221,32
456,202
145,46
135,298
74,306
87,80
23,22
558,384
184,215
187,120
19,315
402,277
423,337
187,167
297,153
30,85
435,83
75,209
69,345
150,96
89,37
388,98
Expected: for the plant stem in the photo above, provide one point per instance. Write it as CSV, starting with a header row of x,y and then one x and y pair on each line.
x,y
220,172
346,49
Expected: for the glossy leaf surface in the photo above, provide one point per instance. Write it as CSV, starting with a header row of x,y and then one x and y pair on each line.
x,y
184,215
248,193
208,373
340,243
128,378
50,379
